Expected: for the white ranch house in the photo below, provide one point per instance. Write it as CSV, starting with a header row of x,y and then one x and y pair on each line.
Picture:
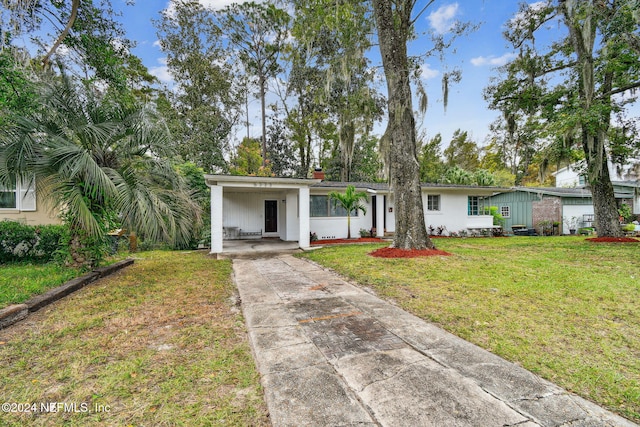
x,y
290,209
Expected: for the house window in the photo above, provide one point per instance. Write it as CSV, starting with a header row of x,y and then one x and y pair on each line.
x,y
324,206
505,211
433,202
318,206
473,206
7,198
582,180
21,196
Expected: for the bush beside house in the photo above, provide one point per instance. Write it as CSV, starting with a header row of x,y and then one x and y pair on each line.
x,y
21,242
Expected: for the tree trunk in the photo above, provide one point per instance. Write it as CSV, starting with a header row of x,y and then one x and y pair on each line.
x,y
582,32
604,200
393,30
263,95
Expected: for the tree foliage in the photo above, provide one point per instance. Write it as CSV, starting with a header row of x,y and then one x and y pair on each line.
x,y
430,157
96,46
248,160
203,108
352,201
102,162
257,32
462,152
577,86
331,75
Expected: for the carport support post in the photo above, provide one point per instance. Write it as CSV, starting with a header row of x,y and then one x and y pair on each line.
x,y
216,219
303,199
380,215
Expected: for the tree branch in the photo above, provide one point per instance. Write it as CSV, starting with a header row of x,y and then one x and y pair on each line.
x,y
619,90
75,5
422,11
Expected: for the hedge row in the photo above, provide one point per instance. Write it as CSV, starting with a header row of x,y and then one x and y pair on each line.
x,y
21,242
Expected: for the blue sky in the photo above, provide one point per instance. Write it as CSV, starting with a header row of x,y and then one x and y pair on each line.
x,y
476,55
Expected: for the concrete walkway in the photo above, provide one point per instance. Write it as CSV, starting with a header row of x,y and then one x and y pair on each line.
x,y
332,354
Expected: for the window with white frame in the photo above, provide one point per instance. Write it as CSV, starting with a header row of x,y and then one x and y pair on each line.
x,y
433,202
324,206
505,211
8,198
21,197
473,206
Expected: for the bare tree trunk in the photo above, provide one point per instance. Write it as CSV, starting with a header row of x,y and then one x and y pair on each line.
x,y
263,95
393,31
75,5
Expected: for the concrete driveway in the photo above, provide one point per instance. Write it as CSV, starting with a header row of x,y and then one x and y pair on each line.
x,y
333,354
252,248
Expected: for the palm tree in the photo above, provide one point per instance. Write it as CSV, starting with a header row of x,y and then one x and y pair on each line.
x,y
350,200
100,158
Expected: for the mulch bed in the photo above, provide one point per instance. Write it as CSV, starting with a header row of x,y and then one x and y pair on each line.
x,y
406,253
613,240
349,241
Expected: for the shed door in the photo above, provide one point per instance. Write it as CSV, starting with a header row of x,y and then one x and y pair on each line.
x,y
270,216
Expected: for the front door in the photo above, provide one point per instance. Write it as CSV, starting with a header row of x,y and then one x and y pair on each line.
x,y
270,216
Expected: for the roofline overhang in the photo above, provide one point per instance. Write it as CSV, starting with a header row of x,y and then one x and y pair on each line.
x,y
257,181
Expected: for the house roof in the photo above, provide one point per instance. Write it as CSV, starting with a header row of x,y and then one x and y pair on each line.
x,y
556,191
581,192
385,187
257,181
248,182
635,184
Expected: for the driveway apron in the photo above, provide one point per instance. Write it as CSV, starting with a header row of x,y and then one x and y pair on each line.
x,y
332,354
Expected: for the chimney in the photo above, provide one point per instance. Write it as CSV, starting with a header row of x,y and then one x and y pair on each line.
x,y
318,174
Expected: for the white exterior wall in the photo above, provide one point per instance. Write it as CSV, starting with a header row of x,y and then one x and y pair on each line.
x,y
304,240
336,227
569,211
391,214
292,228
246,211
453,213
567,178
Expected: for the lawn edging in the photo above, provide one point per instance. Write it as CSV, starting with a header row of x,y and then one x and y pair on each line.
x,y
16,312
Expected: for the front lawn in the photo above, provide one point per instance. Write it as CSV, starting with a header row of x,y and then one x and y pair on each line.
x,y
562,307
160,343
21,281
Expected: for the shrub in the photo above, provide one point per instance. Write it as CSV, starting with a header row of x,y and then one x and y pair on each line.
x,y
498,219
365,233
21,242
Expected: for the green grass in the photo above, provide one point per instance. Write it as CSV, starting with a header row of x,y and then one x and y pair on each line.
x,y
564,308
160,343
19,282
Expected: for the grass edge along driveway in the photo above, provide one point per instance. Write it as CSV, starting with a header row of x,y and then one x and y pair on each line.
x,y
159,343
562,307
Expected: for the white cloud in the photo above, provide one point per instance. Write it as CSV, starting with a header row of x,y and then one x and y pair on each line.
x,y
170,10
522,18
427,73
442,20
162,72
156,43
492,60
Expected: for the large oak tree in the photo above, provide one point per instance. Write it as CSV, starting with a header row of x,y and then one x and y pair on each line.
x,y
579,85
